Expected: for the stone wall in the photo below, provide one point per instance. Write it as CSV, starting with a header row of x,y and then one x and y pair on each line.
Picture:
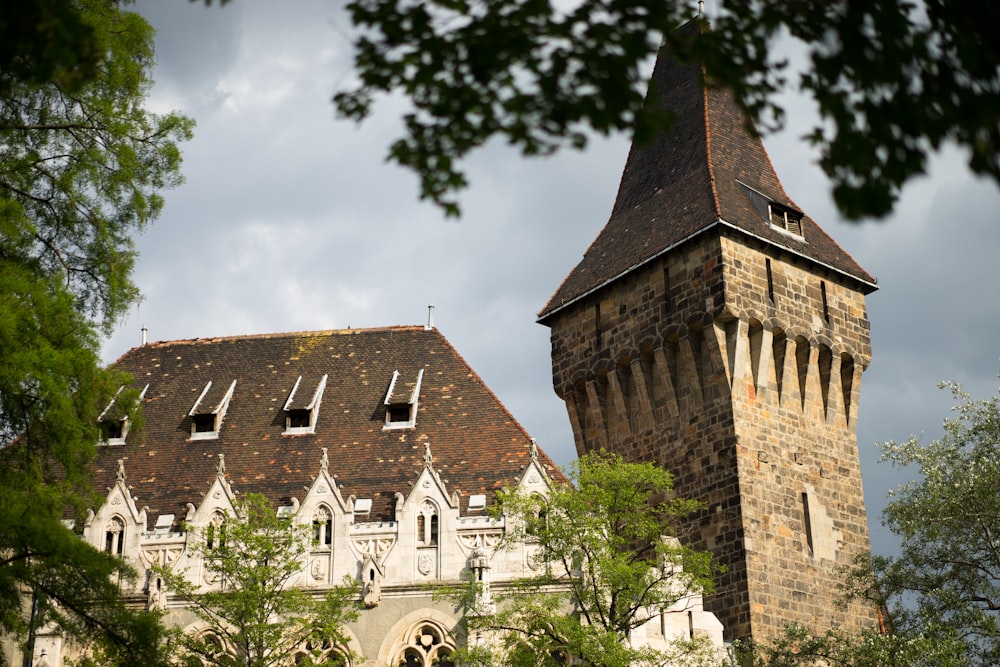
x,y
739,371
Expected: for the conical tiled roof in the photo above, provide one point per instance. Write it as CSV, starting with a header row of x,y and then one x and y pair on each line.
x,y
708,171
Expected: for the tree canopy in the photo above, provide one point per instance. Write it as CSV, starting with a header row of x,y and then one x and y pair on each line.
x,y
258,616
82,165
606,566
892,79
946,579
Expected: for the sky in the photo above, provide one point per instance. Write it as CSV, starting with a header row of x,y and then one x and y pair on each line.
x,y
291,220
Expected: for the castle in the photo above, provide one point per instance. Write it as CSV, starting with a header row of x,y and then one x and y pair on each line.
x,y
716,329
712,327
383,442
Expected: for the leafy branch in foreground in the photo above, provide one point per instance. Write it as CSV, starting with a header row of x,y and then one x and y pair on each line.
x,y
255,615
892,79
82,166
608,563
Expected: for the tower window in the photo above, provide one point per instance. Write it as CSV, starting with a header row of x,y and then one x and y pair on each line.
x,y
667,301
826,307
785,219
807,522
770,281
779,216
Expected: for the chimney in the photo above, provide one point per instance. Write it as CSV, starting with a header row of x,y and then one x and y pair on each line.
x,y
430,318
144,330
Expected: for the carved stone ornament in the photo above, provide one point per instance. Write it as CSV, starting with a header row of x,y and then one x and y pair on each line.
x,y
373,546
318,569
321,489
162,557
534,558
478,540
425,563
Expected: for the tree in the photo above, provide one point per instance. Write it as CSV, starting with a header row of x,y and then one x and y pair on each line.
x,y
257,617
947,576
873,648
82,164
608,565
940,597
892,79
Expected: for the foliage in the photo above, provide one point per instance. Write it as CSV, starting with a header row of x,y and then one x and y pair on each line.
x,y
892,79
81,166
606,567
799,648
948,572
257,617
939,599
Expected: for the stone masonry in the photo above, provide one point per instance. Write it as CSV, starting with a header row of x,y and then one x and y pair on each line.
x,y
746,386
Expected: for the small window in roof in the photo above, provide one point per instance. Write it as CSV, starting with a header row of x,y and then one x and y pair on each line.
x,y
302,408
113,432
209,411
779,216
401,401
785,219
113,422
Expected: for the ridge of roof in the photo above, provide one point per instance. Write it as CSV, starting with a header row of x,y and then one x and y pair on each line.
x,y
684,181
287,334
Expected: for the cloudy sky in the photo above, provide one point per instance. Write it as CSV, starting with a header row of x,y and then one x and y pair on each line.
x,y
291,220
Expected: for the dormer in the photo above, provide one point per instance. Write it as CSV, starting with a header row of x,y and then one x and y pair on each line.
x,y
302,407
113,421
209,411
778,216
401,401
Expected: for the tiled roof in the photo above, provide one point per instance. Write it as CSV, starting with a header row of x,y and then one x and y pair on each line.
x,y
476,444
687,181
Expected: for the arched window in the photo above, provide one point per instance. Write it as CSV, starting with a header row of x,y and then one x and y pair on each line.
x,y
425,646
215,532
427,524
114,536
321,653
323,527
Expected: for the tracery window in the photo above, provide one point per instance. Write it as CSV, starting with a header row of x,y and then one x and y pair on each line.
x,y
425,646
325,653
427,524
323,527
215,532
114,536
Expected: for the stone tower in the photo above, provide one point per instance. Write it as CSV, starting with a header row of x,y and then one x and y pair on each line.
x,y
714,328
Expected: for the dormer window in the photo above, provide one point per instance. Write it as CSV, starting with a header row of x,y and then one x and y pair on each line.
x,y
113,422
778,216
785,219
113,432
401,401
209,411
302,407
